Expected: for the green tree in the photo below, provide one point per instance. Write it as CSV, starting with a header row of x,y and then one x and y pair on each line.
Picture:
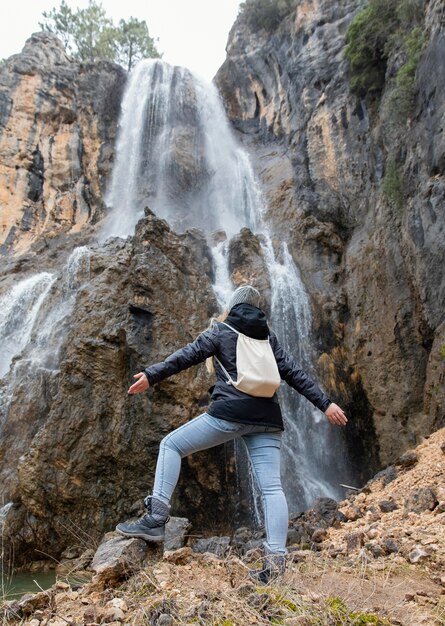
x,y
133,43
61,22
93,33
90,35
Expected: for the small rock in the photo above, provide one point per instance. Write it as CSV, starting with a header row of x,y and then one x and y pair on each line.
x,y
30,602
118,603
175,533
442,447
351,513
113,614
117,558
164,620
390,546
386,506
241,537
440,508
34,622
374,548
420,500
62,585
179,557
408,459
319,535
417,554
389,474
216,545
354,541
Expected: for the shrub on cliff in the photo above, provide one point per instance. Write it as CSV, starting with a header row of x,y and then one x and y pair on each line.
x,y
265,14
367,46
374,33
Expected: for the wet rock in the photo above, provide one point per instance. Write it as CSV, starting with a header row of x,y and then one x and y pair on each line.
x,y
175,532
423,499
247,264
408,459
215,545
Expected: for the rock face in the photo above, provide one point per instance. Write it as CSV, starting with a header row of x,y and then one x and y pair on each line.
x,y
89,455
58,123
375,272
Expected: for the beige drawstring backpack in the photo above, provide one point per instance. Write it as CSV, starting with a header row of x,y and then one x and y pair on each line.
x,y
257,368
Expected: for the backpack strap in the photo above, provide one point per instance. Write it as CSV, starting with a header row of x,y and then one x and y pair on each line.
x,y
229,380
231,328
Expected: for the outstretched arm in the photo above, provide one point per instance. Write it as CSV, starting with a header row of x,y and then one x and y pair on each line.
x,y
291,372
205,345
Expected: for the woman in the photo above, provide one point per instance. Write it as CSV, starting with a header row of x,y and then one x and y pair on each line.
x,y
232,414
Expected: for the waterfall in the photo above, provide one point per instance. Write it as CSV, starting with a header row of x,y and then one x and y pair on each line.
x,y
34,317
19,308
176,153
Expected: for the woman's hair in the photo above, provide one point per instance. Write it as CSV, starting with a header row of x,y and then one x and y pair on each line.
x,y
209,362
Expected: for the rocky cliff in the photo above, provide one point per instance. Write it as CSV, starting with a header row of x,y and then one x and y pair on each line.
x,y
372,263
58,123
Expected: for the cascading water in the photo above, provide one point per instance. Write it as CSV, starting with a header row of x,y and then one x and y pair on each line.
x,y
176,154
19,309
33,320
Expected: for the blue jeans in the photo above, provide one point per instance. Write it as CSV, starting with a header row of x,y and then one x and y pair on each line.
x,y
263,444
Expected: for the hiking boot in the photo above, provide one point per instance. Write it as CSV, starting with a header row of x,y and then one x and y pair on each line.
x,y
273,565
151,526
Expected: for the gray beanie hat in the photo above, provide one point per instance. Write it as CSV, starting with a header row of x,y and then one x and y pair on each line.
x,y
247,294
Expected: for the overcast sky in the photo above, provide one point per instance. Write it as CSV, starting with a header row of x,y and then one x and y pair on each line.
x,y
190,32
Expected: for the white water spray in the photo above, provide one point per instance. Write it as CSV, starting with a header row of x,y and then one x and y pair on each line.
x,y
19,308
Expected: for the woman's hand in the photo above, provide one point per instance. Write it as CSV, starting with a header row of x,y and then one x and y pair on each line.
x,y
336,415
141,385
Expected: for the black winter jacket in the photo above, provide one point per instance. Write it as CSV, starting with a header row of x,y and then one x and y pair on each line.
x,y
228,402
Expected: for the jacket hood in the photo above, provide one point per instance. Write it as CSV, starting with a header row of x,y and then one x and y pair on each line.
x,y
249,320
